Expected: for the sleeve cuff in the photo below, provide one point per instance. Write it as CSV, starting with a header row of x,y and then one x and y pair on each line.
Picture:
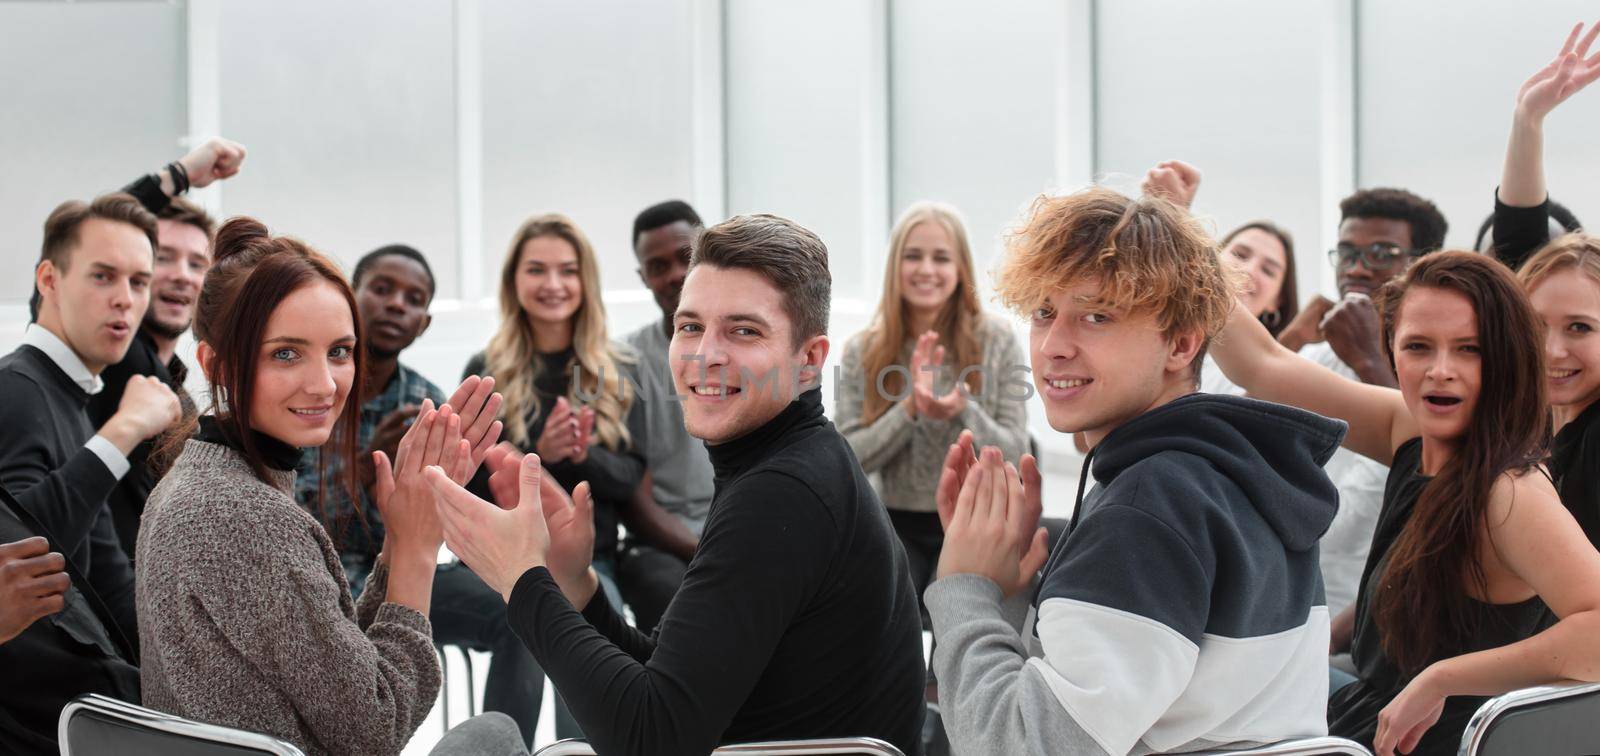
x,y
109,454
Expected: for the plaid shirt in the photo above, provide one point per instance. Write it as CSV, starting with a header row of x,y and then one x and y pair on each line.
x,y
359,548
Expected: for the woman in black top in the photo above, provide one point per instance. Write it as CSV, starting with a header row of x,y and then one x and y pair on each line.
x,y
565,396
1563,283
1458,576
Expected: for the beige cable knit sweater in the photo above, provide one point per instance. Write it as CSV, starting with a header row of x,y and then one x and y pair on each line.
x,y
245,621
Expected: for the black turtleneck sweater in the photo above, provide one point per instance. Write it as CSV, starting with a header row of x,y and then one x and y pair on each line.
x,y
796,619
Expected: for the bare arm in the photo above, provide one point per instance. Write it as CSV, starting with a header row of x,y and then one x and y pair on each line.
x,y
1522,180
1250,357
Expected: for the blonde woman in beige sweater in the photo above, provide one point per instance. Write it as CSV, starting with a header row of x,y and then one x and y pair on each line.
x,y
930,365
243,615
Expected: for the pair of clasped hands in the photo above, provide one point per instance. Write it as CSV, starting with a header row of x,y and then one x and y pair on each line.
x,y
531,522
990,513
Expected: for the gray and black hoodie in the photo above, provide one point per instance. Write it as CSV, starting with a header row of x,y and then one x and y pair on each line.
x,y
1183,611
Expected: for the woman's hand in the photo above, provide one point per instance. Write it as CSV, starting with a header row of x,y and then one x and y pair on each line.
x,y
478,405
1403,722
406,502
559,440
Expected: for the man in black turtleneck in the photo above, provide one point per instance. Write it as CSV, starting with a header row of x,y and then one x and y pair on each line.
x,y
797,617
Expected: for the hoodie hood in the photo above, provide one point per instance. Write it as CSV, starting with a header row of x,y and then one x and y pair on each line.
x,y
1272,452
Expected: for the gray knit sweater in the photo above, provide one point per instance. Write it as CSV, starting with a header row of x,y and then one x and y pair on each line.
x,y
909,453
245,621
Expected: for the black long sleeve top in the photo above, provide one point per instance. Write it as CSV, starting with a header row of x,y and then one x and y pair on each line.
x,y
797,617
1519,231
613,474
61,482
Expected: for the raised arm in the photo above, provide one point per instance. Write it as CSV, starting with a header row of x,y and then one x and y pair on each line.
x,y
1250,357
1518,232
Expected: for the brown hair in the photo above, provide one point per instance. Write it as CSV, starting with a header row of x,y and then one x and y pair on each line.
x,y
61,229
254,271
181,210
957,322
596,372
1150,255
1288,304
790,257
1575,250
1422,610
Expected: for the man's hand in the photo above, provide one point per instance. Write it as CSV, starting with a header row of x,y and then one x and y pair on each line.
x,y
498,544
148,407
217,159
477,403
1174,180
33,584
1355,332
1306,328
994,529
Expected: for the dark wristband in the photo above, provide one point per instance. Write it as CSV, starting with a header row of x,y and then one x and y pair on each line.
x,y
180,177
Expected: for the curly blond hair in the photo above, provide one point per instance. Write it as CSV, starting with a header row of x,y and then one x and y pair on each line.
x,y
1149,255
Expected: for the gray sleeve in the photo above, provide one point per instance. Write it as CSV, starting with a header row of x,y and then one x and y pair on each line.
x,y
991,699
884,439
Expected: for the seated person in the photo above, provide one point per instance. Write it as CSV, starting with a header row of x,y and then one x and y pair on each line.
x,y
92,285
667,513
1183,610
393,287
244,610
54,644
796,618
1473,549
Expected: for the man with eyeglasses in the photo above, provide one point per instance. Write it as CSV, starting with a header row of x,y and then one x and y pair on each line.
x,y
1381,233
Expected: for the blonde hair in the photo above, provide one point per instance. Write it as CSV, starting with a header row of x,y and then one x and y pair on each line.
x,y
1575,250
510,355
957,322
1149,255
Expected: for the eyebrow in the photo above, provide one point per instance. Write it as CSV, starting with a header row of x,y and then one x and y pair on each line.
x,y
738,317
297,341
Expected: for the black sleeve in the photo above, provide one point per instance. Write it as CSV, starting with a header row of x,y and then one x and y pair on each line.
x,y
760,563
1519,231
147,189
111,574
475,366
66,497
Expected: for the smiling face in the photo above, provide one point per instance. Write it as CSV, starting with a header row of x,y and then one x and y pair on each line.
x,y
733,356
183,256
1568,301
393,296
1097,367
929,273
1261,256
664,262
1438,361
96,300
305,366
548,282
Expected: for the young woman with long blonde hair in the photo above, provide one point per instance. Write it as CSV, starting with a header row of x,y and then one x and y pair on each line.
x,y
930,365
